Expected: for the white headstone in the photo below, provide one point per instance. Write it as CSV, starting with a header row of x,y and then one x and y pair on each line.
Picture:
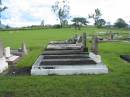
x,y
96,58
3,64
7,52
1,50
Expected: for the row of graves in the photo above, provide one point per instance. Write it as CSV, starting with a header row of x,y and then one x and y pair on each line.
x,y
10,56
70,57
113,36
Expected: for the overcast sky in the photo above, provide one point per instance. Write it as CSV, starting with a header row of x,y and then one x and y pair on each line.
x,y
31,12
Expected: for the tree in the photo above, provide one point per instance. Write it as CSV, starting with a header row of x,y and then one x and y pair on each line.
x,y
61,10
120,23
1,9
98,21
79,21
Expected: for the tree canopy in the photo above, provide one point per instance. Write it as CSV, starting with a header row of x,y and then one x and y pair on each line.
x,y
1,9
79,21
61,10
98,21
120,23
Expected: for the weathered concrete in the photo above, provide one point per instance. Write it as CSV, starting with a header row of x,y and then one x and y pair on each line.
x,y
70,70
64,46
67,69
72,56
63,58
61,52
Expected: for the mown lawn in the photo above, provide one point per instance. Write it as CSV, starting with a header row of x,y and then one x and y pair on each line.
x,y
114,84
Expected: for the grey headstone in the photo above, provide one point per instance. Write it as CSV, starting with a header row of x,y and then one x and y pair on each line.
x,y
111,35
95,45
84,40
24,48
1,50
79,39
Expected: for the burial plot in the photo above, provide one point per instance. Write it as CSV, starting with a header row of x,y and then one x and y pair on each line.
x,y
67,59
10,58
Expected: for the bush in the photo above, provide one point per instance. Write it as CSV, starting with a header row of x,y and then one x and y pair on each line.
x,y
57,26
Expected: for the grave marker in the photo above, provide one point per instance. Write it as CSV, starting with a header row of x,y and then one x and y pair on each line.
x,y
7,52
95,45
1,50
24,48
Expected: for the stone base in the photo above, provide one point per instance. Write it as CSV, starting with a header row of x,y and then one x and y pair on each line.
x,y
64,46
70,70
3,64
12,59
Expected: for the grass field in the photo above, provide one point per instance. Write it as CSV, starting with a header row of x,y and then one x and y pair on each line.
x,y
114,84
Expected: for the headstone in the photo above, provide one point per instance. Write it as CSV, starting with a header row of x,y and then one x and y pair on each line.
x,y
3,63
24,48
75,38
111,35
96,58
7,52
84,40
95,45
1,50
79,39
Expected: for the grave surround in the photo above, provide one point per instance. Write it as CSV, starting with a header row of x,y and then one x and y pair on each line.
x,y
62,58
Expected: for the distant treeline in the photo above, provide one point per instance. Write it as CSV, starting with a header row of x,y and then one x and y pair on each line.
x,y
57,26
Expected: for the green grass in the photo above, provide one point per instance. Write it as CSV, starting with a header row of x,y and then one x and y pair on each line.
x,y
114,84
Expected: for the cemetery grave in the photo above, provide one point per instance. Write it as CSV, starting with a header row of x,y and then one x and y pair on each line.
x,y
9,57
69,57
3,63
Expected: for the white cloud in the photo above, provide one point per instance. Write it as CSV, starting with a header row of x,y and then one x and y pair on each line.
x,y
22,12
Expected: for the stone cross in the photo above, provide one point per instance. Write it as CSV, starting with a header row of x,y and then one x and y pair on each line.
x,y
1,50
95,45
24,48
